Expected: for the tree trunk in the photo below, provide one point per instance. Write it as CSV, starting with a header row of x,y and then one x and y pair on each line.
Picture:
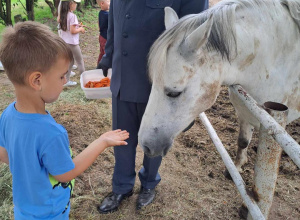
x,y
56,3
30,9
52,7
8,12
86,3
93,3
5,12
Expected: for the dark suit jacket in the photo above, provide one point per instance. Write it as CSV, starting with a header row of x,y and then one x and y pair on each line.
x,y
133,26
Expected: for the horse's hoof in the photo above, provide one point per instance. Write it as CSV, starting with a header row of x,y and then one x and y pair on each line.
x,y
243,212
227,174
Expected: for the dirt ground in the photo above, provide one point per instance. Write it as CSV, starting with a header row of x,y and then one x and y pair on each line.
x,y
193,185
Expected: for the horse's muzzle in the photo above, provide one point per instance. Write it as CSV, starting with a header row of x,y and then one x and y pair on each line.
x,y
156,147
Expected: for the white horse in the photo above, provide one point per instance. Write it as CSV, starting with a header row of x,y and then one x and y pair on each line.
x,y
254,43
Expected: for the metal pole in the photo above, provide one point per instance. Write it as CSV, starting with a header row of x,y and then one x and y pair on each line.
x,y
236,177
289,145
267,160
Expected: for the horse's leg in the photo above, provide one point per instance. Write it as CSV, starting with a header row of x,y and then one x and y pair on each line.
x,y
246,131
245,135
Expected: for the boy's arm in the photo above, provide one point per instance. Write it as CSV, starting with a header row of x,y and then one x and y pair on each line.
x,y
3,155
99,21
85,159
82,161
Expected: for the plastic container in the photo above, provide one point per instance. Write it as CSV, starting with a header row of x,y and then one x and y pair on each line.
x,y
1,66
95,93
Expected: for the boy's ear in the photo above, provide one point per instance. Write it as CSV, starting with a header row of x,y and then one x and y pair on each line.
x,y
35,80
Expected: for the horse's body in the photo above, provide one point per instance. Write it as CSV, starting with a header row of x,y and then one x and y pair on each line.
x,y
254,43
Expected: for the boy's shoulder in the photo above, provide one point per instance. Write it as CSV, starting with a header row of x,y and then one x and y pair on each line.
x,y
102,12
42,122
7,110
40,128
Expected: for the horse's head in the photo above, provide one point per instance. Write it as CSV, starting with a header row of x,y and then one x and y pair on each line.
x,y
185,82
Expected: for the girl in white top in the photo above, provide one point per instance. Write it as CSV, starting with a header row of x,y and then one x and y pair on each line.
x,y
70,29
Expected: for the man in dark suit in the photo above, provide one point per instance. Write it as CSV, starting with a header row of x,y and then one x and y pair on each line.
x,y
133,27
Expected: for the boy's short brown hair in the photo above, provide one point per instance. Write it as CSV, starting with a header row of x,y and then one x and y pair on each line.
x,y
99,1
30,46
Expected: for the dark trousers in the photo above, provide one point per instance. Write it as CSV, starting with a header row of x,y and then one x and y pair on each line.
x,y
128,116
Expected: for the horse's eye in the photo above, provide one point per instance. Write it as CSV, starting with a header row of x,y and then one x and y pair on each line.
x,y
173,94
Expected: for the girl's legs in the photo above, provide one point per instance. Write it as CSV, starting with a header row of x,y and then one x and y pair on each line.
x,y
78,57
69,71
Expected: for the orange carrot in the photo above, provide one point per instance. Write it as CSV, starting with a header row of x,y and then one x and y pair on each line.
x,y
105,82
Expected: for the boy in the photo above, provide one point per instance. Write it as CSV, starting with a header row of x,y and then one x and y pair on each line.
x,y
32,143
103,25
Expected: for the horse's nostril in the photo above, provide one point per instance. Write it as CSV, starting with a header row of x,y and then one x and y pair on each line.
x,y
165,151
147,150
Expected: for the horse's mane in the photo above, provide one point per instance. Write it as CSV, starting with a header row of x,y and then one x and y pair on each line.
x,y
222,37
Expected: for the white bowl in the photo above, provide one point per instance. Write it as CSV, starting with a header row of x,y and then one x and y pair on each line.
x,y
1,66
95,93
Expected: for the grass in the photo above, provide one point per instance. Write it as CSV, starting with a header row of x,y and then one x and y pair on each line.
x,y
6,206
89,15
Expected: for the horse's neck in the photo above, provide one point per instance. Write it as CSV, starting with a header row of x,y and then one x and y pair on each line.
x,y
267,60
262,48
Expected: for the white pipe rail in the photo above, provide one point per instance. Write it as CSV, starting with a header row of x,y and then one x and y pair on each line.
x,y
236,177
288,144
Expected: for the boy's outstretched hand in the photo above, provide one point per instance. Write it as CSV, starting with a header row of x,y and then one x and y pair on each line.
x,y
115,138
85,159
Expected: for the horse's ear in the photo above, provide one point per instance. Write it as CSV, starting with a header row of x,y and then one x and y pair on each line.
x,y
199,36
170,17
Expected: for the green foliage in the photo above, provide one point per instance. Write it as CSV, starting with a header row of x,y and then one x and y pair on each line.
x,y
41,11
89,15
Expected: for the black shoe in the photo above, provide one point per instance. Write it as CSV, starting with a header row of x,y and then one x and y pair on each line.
x,y
146,196
112,202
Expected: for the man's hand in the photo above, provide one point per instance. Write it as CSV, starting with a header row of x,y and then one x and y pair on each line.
x,y
104,69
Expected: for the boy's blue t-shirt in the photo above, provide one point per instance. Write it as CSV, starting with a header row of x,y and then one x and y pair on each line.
x,y
103,23
37,148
